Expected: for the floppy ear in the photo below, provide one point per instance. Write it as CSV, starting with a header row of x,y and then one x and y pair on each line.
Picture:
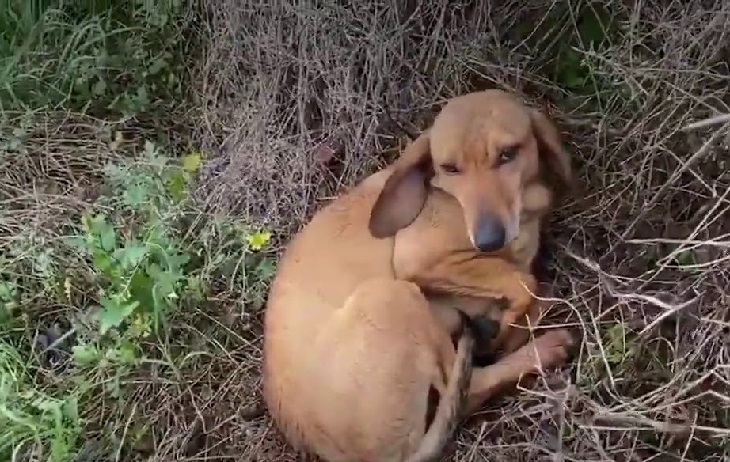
x,y
551,150
405,191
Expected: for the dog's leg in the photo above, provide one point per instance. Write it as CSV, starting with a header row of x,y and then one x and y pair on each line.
x,y
520,333
483,278
541,268
387,347
549,350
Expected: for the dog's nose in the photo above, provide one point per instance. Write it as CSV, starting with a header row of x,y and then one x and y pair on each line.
x,y
490,234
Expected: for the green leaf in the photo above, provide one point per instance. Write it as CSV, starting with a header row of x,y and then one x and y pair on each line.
x,y
616,344
113,313
165,281
176,186
590,27
70,409
77,242
8,290
574,81
99,88
196,288
135,195
131,256
125,354
157,65
107,236
265,269
86,223
140,288
142,96
85,354
177,261
686,258
140,326
102,261
571,72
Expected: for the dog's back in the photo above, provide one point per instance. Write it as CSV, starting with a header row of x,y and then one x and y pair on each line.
x,y
321,267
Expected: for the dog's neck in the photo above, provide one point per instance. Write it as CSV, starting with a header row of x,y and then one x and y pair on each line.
x,y
524,248
537,201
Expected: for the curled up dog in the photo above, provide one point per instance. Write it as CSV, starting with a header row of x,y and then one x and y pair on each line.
x,y
360,316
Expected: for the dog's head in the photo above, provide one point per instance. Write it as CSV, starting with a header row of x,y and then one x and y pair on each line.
x,y
486,150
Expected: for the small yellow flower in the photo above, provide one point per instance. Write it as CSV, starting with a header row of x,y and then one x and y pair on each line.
x,y
257,240
191,163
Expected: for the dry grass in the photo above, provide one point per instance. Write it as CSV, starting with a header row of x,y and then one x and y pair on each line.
x,y
642,253
301,99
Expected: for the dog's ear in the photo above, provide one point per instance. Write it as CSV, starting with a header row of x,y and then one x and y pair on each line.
x,y
551,149
405,191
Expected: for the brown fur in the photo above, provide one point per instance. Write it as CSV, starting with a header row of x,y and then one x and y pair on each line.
x,y
448,411
352,345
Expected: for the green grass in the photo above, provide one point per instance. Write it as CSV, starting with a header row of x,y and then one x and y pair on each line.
x,y
577,37
127,60
122,276
135,262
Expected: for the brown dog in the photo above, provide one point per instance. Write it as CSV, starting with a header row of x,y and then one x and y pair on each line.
x,y
352,348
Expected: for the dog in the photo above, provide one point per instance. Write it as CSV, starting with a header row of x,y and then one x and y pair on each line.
x,y
359,319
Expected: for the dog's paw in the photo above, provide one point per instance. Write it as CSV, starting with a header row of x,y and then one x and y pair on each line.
x,y
551,349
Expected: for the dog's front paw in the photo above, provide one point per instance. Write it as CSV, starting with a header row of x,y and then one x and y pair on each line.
x,y
549,350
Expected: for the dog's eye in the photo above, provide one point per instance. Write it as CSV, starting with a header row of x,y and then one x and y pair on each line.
x,y
451,169
507,155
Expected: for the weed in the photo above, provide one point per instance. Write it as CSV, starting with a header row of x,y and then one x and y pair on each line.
x,y
96,57
138,266
127,269
29,416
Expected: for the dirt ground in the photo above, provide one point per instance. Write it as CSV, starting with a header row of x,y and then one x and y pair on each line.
x,y
302,98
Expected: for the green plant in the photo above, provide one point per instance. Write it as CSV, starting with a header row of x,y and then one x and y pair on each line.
x,y
573,69
30,417
117,280
143,265
91,56
8,299
128,267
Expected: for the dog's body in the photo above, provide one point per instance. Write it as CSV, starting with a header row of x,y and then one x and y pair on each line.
x,y
353,349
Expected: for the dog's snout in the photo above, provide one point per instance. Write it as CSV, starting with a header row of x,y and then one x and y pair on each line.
x,y
490,234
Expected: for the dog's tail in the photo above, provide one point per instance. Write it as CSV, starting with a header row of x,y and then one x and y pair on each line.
x,y
453,400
